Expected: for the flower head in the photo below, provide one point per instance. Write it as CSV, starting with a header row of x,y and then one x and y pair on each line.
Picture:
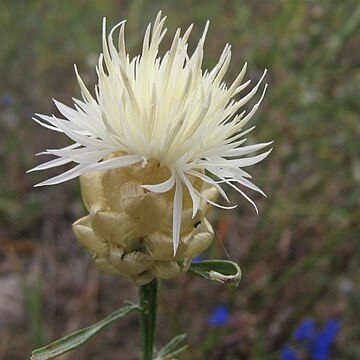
x,y
158,110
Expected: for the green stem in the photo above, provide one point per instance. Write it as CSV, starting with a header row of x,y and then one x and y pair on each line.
x,y
148,303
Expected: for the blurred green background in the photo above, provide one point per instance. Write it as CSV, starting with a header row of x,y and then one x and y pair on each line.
x,y
299,256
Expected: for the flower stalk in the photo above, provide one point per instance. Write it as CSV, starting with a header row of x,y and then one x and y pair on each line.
x,y
148,303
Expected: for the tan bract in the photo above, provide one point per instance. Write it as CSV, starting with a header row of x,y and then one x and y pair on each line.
x,y
129,229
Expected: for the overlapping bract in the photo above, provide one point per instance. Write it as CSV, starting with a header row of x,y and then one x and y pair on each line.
x,y
129,229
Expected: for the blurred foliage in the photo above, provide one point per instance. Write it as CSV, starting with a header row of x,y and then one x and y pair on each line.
x,y
300,256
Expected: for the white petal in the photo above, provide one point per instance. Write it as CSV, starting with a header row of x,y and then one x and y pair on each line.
x,y
214,203
51,164
249,116
248,161
246,149
177,212
114,163
47,125
210,181
194,197
162,187
67,175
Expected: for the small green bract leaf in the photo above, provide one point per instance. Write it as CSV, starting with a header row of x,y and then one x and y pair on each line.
x,y
77,338
224,271
171,349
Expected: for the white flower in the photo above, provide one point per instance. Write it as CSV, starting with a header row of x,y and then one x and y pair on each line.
x,y
165,109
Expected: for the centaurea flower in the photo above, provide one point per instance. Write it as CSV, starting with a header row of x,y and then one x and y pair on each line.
x,y
163,116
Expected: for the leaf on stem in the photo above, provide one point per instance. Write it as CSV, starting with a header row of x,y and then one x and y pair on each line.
x,y
224,271
171,349
77,338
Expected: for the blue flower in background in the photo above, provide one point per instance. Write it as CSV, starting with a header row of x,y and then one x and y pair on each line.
x,y
7,99
288,353
197,259
324,339
306,330
220,316
314,342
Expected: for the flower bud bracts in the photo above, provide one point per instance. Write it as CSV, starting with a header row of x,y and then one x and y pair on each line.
x,y
129,228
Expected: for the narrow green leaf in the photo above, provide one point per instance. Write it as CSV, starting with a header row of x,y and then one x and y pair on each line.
x,y
172,355
171,349
224,271
77,338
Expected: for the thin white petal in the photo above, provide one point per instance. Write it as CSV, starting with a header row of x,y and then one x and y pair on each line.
x,y
177,211
235,175
216,204
51,164
249,116
235,163
194,197
243,194
250,185
250,160
47,125
114,163
162,187
67,175
210,181
246,149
